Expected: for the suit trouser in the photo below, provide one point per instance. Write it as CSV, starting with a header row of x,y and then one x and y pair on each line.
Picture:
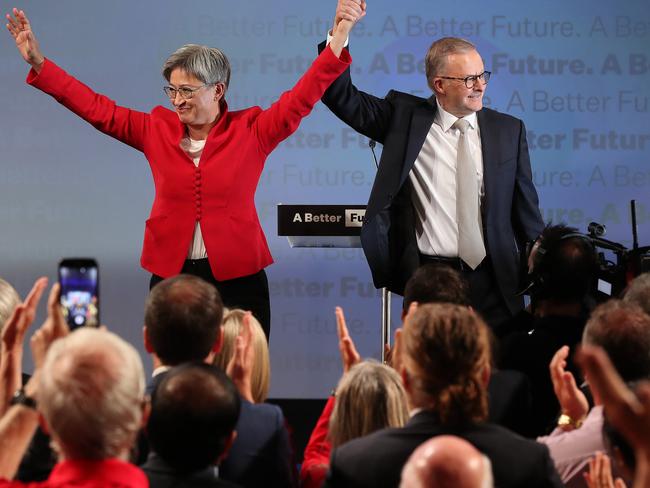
x,y
247,292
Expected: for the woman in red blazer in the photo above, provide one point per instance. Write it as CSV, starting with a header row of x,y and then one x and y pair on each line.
x,y
206,161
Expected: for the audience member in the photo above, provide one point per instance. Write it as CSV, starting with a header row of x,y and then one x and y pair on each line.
x,y
447,462
623,331
445,369
628,411
233,323
189,438
638,292
89,390
564,267
183,318
509,391
369,397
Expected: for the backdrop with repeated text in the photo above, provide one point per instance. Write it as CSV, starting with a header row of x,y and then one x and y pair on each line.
x,y
576,72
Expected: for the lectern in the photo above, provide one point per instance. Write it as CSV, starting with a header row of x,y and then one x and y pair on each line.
x,y
330,226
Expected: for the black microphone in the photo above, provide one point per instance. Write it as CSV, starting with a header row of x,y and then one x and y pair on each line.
x,y
372,145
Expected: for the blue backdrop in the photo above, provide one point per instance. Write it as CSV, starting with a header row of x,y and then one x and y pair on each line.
x,y
577,72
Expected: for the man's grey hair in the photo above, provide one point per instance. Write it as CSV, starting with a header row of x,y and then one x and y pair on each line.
x,y
638,292
91,394
208,64
9,299
436,58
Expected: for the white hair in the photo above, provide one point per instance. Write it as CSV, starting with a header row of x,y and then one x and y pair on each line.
x,y
91,394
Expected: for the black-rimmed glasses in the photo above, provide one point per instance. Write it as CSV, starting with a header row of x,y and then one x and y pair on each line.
x,y
470,81
185,92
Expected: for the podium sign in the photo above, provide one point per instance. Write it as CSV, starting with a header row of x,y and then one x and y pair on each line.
x,y
321,225
330,226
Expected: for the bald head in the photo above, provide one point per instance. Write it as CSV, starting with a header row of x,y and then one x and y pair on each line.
x,y
447,461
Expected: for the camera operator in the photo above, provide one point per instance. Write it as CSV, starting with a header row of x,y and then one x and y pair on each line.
x,y
562,272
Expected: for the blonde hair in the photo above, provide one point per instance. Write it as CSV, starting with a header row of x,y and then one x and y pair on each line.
x,y
369,397
233,322
446,350
9,299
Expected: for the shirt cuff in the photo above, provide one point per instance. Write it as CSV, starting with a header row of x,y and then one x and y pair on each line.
x,y
330,37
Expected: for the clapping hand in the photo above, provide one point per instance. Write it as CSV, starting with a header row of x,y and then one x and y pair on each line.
x,y
627,411
240,366
13,335
572,401
21,30
349,354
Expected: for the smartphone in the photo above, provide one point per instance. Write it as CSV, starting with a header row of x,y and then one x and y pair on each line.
x,y
79,280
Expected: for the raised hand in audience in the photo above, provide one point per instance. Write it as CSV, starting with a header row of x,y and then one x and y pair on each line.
x,y
629,413
600,473
349,353
52,329
572,401
13,335
240,367
394,359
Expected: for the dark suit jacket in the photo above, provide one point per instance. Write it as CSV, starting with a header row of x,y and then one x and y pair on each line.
x,y
161,475
261,454
376,460
401,122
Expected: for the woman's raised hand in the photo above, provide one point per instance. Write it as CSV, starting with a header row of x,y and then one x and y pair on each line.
x,y
20,29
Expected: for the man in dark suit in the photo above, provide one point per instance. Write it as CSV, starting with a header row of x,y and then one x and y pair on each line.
x,y
454,182
445,367
189,438
183,318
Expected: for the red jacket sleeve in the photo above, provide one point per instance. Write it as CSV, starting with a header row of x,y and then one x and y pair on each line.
x,y
317,453
126,125
282,118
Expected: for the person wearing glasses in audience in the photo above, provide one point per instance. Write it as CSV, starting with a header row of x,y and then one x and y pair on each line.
x,y
206,161
454,183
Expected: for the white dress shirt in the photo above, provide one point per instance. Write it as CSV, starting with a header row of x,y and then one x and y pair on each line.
x,y
433,180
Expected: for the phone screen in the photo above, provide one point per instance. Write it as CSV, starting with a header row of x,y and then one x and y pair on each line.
x,y
79,280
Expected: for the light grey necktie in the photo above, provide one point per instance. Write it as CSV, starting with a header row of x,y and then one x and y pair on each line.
x,y
470,240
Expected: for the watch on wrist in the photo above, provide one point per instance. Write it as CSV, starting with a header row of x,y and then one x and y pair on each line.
x,y
568,421
21,398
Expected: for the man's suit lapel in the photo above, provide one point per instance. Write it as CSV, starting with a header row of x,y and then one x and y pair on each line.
x,y
421,121
489,138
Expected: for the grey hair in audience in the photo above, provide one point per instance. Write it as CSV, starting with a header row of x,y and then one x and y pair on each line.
x,y
638,292
91,394
208,64
9,298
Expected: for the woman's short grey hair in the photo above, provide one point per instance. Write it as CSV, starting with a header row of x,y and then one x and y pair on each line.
x,y
91,394
9,299
208,64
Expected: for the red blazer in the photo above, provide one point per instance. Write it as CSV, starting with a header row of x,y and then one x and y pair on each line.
x,y
316,460
220,192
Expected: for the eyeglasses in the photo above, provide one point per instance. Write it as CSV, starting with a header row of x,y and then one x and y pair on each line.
x,y
470,81
185,92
